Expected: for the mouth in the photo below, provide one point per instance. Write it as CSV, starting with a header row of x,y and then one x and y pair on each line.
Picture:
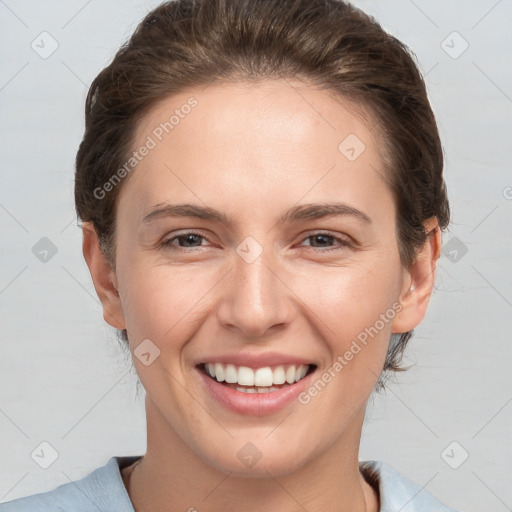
x,y
268,379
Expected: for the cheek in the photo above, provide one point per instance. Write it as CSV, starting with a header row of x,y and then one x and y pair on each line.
x,y
163,302
352,310
348,299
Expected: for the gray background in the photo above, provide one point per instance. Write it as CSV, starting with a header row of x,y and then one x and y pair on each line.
x,y
63,378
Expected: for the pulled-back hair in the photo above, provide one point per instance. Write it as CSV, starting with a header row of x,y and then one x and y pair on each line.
x,y
327,43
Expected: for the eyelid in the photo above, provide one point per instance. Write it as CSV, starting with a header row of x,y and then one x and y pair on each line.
x,y
166,242
344,243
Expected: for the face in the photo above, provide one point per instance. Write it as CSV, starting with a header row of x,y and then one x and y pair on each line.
x,y
258,274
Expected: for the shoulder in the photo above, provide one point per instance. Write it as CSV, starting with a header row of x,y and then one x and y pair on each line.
x,y
101,489
398,492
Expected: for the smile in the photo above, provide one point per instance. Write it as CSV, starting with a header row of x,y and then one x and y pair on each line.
x,y
256,380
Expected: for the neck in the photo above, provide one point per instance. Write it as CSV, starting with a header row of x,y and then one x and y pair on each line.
x,y
171,477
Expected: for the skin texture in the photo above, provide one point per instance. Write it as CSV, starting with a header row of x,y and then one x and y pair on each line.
x,y
254,151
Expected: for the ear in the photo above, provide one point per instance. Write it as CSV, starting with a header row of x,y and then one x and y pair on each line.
x,y
103,277
419,281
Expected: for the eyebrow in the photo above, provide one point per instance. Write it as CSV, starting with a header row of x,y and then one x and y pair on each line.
x,y
296,213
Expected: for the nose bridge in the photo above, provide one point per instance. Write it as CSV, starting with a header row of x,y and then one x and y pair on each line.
x,y
252,279
256,299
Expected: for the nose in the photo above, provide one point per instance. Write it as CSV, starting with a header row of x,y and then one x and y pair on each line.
x,y
256,299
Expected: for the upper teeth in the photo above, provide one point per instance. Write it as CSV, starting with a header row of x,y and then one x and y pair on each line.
x,y
263,377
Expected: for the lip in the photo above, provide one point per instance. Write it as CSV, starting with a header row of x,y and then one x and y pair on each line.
x,y
253,404
253,360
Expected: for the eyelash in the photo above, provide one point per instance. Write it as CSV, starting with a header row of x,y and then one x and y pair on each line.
x,y
167,244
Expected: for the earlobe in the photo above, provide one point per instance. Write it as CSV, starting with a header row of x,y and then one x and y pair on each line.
x,y
103,277
419,281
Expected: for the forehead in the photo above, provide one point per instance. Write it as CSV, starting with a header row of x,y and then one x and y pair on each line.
x,y
267,106
256,142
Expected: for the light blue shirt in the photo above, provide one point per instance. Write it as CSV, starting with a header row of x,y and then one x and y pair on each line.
x,y
103,490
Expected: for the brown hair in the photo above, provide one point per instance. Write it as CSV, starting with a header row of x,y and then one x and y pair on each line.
x,y
330,43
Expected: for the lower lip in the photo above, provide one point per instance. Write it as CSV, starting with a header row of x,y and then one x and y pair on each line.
x,y
254,404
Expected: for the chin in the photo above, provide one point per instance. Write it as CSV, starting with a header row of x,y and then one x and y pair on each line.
x,y
252,462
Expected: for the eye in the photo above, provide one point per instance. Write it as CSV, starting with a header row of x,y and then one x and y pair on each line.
x,y
325,238
192,239
189,240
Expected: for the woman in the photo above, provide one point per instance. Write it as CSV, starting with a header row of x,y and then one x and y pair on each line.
x,y
260,184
